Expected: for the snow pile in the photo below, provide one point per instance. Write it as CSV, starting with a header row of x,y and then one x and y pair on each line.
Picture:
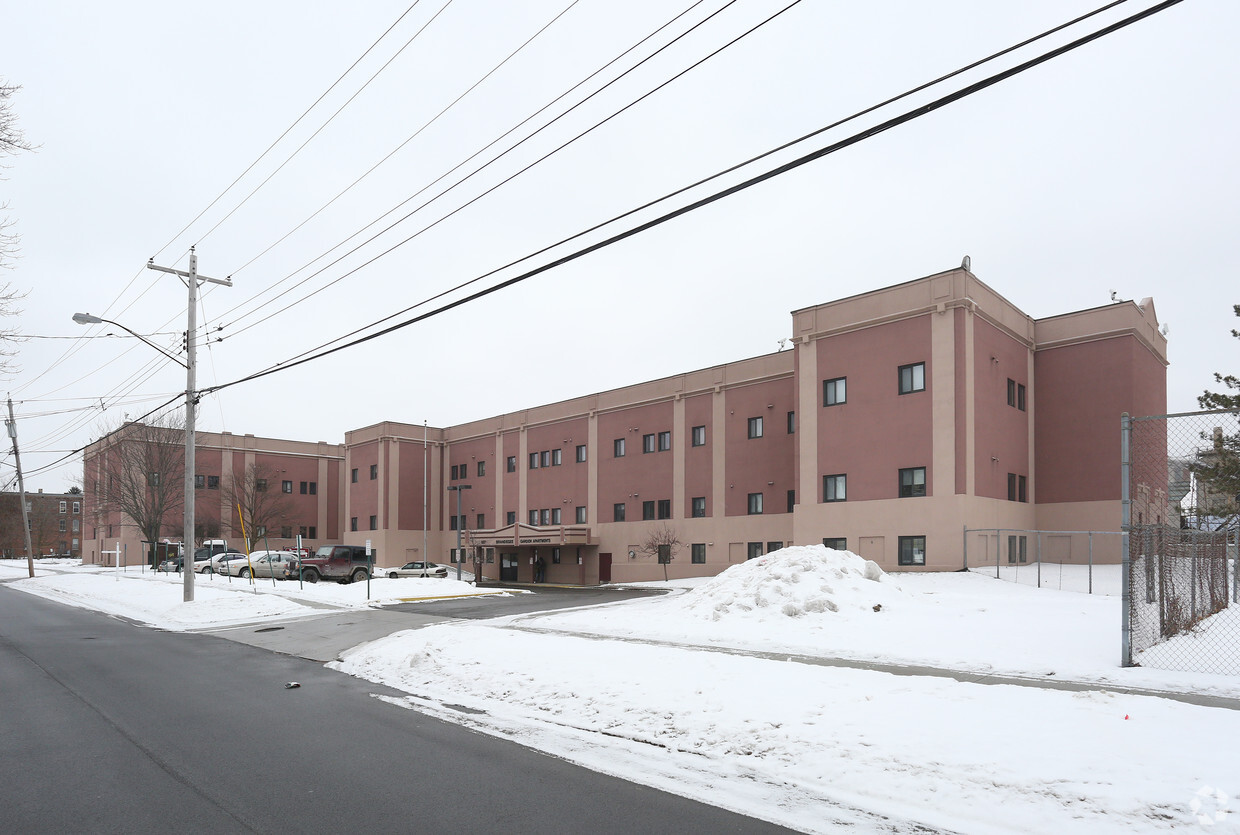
x,y
794,582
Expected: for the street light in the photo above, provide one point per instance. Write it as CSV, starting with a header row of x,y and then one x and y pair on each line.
x,y
187,547
87,319
457,488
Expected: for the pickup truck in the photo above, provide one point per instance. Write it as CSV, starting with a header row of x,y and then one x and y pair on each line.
x,y
343,563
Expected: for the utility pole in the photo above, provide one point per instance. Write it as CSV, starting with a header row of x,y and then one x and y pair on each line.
x,y
191,278
21,489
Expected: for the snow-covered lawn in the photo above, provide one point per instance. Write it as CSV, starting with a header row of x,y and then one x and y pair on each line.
x,y
629,690
156,598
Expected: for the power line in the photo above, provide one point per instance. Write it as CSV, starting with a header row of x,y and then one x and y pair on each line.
x,y
493,160
798,162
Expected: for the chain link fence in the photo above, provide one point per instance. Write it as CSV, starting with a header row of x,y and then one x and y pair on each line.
x,y
1181,575
1079,561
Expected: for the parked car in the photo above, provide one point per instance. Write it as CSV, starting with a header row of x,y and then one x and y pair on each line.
x,y
418,569
263,564
343,563
218,563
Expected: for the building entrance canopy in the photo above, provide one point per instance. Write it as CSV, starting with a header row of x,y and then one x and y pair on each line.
x,y
519,535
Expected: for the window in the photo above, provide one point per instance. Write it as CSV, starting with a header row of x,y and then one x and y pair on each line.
x,y
699,507
555,515
618,448
835,488
555,457
286,487
581,514
698,436
648,443
1011,487
64,507
1021,486
665,508
481,521
1017,549
581,453
200,481
697,553
617,512
664,553
286,532
792,500
545,514
912,550
755,427
153,479
482,469
665,441
533,517
647,510
260,531
1020,397
374,471
912,482
374,523
462,523
771,547
453,476
77,507
311,533
352,476
533,460
555,556
260,484
510,518
835,392
306,488
792,423
353,523
837,543
511,464
754,550
912,378
77,525
755,503
63,526
213,482
545,455
1011,392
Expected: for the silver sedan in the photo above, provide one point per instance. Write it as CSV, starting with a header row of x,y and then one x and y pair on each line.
x,y
418,569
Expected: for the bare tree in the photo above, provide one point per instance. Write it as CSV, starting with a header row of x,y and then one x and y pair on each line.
x,y
251,497
143,469
12,140
662,544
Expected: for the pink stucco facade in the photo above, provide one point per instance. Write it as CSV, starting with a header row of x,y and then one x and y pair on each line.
x,y
895,420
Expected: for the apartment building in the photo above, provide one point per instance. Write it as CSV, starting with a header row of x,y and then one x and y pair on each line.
x,y
895,420
54,521
298,482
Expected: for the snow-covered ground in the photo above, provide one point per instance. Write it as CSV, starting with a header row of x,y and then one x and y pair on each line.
x,y
690,693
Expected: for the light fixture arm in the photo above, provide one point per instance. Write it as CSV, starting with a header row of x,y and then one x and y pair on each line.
x,y
87,319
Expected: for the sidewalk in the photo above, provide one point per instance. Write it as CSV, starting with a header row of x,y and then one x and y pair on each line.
x,y
967,677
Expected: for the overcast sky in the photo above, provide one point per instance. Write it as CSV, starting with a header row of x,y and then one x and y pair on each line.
x,y
1113,167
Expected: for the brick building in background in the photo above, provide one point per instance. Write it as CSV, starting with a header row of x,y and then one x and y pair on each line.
x,y
55,524
896,419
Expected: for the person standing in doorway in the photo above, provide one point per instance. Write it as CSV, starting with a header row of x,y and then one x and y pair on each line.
x,y
540,570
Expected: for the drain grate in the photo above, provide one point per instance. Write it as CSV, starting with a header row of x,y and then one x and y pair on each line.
x,y
269,629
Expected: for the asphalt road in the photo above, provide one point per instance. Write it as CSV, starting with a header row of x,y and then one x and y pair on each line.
x,y
110,727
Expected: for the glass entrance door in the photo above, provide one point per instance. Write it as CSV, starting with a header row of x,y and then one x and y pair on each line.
x,y
508,568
